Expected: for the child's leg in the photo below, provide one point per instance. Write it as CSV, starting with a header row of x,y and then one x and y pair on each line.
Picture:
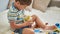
x,y
28,31
40,23
20,30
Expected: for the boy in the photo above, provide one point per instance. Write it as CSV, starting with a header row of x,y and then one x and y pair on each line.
x,y
16,18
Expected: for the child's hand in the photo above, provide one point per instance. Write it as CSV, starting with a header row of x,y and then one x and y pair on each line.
x,y
28,23
53,27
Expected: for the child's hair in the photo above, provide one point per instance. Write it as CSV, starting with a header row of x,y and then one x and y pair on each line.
x,y
24,2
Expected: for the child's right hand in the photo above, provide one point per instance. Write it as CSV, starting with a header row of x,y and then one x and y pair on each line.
x,y
28,23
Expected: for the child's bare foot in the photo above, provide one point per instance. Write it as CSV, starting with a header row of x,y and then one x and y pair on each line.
x,y
50,27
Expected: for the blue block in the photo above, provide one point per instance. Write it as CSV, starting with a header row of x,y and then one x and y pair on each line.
x,y
58,25
54,33
36,30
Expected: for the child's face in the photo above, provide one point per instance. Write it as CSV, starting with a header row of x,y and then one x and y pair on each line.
x,y
20,7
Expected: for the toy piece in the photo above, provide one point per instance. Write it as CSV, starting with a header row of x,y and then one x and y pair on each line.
x,y
46,23
56,30
51,33
23,18
55,33
58,25
36,30
27,18
12,32
46,32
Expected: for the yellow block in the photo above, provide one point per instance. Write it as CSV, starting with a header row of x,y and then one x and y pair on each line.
x,y
27,18
46,32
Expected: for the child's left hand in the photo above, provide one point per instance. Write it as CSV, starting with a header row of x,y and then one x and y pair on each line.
x,y
54,27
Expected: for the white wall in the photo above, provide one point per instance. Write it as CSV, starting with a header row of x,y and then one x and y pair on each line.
x,y
3,4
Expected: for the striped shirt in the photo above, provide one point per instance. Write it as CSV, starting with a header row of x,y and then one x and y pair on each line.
x,y
15,14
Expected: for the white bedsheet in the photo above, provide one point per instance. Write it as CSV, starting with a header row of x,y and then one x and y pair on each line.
x,y
51,16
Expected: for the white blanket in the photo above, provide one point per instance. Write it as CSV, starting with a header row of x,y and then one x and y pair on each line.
x,y
52,15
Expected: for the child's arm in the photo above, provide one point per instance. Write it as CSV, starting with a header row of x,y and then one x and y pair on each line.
x,y
14,25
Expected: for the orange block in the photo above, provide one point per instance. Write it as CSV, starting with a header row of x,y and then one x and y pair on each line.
x,y
12,32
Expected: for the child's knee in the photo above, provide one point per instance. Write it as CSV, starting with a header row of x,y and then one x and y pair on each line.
x,y
34,17
28,31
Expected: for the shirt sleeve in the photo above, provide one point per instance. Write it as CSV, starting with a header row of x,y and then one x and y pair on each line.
x,y
12,15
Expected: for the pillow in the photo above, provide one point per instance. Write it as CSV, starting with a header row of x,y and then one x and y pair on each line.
x,y
29,7
4,25
54,3
40,4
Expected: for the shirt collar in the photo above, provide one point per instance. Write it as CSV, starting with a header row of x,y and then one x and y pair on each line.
x,y
14,8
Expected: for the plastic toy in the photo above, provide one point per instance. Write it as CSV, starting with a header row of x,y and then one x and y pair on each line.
x,y
12,32
27,18
55,33
46,23
36,30
24,18
51,33
46,32
58,28
58,25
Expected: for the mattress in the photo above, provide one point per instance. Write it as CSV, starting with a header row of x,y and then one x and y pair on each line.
x,y
50,16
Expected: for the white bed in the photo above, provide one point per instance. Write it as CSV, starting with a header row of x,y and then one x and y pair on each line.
x,y
51,16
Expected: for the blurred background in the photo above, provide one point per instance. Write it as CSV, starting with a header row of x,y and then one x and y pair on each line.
x,y
4,4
